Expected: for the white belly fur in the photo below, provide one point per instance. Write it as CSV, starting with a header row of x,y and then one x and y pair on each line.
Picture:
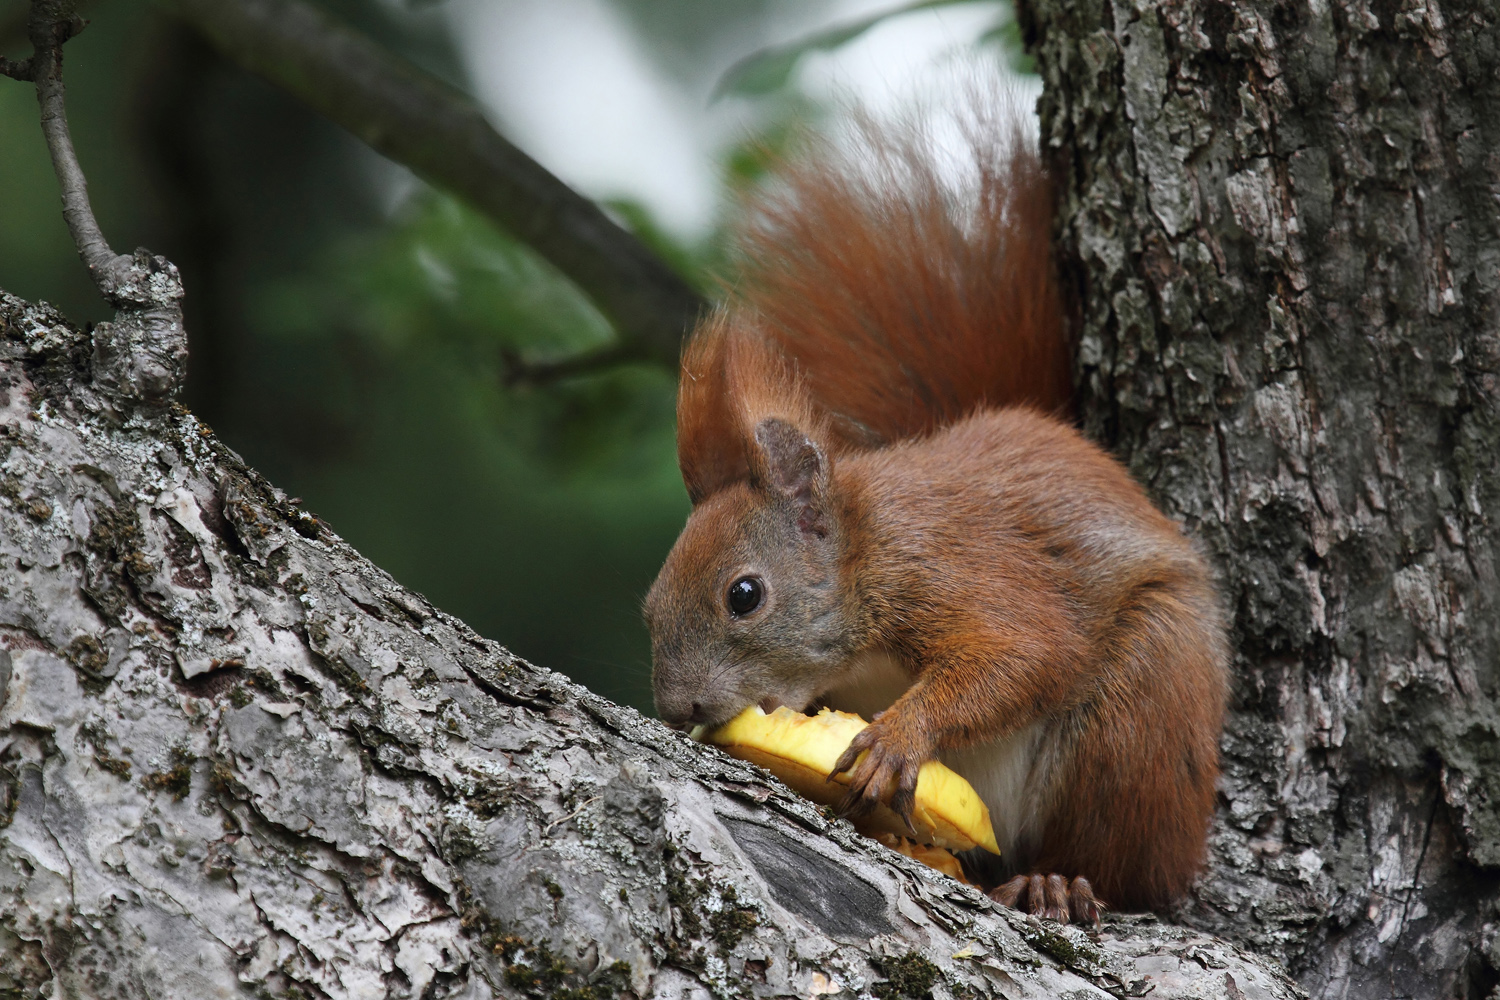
x,y
1010,775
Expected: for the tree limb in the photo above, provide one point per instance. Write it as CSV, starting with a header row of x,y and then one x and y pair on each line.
x,y
237,758
441,134
16,69
13,31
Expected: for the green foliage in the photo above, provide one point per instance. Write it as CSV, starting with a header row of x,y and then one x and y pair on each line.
x,y
443,275
537,513
444,285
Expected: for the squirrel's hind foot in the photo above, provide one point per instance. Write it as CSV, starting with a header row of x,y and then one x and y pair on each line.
x,y
1051,897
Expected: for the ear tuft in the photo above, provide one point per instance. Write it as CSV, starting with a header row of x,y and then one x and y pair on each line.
x,y
733,379
792,464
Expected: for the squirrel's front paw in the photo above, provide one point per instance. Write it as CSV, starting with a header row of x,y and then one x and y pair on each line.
x,y
887,772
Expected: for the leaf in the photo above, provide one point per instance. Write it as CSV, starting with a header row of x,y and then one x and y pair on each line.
x,y
768,70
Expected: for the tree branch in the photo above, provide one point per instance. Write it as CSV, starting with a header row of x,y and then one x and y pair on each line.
x,y
441,134
237,758
518,371
142,355
52,23
13,32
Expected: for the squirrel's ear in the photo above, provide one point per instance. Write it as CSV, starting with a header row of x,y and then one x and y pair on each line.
x,y
792,464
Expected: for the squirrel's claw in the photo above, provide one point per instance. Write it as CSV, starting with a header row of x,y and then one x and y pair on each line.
x,y
905,797
884,774
864,791
863,740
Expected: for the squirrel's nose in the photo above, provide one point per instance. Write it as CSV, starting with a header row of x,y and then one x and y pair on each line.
x,y
680,714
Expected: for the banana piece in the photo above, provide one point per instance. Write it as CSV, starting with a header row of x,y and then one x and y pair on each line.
x,y
801,751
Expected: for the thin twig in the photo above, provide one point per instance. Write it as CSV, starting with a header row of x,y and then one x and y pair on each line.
x,y
52,23
439,132
519,372
572,815
16,69
140,356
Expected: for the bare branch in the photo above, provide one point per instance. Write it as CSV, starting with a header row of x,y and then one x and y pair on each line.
x,y
440,133
52,23
16,69
13,24
142,354
521,372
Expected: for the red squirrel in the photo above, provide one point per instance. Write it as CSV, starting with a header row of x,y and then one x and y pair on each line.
x,y
892,515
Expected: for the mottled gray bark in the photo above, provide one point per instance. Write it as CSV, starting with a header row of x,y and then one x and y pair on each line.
x,y
236,759
1283,223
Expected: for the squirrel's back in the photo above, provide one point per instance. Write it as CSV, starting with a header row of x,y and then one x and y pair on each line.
x,y
883,292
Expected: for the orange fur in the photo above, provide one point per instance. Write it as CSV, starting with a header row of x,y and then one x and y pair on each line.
x,y
1029,579
908,304
870,430
729,382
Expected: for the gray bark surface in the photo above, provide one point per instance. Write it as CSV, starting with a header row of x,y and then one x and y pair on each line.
x,y
1283,225
236,759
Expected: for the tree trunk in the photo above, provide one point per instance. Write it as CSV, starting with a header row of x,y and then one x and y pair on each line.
x,y
1283,227
238,759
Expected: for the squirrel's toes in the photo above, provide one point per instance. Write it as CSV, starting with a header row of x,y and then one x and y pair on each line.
x,y
1051,897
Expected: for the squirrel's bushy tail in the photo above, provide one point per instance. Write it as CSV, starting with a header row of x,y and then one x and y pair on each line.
x,y
902,290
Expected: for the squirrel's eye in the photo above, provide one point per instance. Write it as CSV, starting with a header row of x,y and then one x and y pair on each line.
x,y
745,595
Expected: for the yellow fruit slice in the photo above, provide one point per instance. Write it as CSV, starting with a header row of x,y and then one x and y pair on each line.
x,y
801,750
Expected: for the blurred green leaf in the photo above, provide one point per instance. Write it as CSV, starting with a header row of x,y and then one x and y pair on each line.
x,y
538,513
769,69
441,285
443,273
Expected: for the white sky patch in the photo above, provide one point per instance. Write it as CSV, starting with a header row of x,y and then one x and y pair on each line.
x,y
571,83
923,56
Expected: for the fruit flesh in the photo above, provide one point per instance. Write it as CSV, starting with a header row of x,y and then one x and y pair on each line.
x,y
932,857
801,750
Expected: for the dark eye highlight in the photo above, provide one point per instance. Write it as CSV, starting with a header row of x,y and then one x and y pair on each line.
x,y
745,595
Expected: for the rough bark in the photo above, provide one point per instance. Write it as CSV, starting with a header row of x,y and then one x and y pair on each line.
x,y
238,759
1282,220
